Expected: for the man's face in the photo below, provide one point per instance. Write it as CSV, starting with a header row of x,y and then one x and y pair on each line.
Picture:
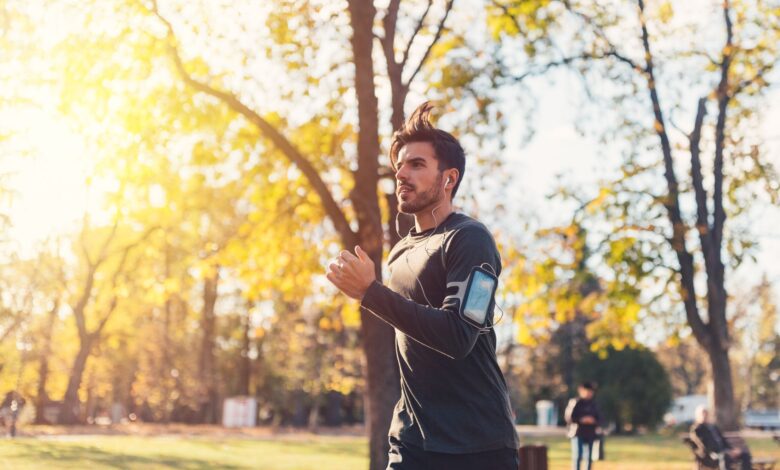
x,y
702,415
419,182
585,393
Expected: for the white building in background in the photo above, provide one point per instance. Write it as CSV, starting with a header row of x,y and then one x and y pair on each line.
x,y
683,409
239,412
546,413
762,419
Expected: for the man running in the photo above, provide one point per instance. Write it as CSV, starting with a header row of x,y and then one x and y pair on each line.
x,y
454,411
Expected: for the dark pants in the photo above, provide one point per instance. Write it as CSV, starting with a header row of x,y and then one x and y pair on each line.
x,y
743,459
581,449
409,457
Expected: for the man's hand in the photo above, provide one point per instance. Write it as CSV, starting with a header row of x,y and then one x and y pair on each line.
x,y
587,420
352,274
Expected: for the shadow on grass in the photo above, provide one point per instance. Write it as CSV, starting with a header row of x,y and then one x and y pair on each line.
x,y
319,448
52,454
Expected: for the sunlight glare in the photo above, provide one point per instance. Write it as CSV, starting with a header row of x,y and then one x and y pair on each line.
x,y
49,183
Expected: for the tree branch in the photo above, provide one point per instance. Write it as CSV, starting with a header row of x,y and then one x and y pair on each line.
x,y
436,38
614,53
550,65
509,15
92,267
332,208
718,315
11,328
569,60
387,41
672,201
599,32
417,30
758,76
103,249
709,250
723,97
115,279
702,213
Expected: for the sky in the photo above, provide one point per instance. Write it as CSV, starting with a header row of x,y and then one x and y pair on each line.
x,y
557,149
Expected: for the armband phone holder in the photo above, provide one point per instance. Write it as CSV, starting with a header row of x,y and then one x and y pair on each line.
x,y
478,296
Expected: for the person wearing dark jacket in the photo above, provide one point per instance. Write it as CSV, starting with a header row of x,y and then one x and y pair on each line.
x,y
454,410
582,416
713,445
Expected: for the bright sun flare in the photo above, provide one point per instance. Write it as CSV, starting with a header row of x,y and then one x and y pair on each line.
x,y
47,179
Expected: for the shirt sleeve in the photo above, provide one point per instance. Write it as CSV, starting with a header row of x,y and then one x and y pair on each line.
x,y
442,328
576,412
568,415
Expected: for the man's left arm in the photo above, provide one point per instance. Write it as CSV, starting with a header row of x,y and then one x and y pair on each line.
x,y
440,328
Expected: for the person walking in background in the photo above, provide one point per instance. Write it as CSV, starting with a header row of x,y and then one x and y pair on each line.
x,y
582,416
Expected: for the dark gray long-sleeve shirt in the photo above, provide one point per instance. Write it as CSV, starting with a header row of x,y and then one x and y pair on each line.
x,y
453,396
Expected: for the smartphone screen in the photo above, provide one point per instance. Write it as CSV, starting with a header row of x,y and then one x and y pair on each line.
x,y
480,293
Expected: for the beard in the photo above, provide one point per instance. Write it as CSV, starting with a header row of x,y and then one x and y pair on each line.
x,y
421,200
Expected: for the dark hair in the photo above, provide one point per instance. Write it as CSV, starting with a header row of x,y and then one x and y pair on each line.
x,y
418,128
588,386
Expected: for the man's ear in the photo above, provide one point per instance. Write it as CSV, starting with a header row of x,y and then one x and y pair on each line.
x,y
452,178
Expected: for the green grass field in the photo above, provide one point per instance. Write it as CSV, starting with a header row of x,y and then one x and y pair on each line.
x,y
302,452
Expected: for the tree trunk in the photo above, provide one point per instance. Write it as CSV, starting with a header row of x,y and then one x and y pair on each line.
x,y
334,402
245,363
206,367
382,383
42,398
712,335
382,376
69,412
314,413
723,390
166,364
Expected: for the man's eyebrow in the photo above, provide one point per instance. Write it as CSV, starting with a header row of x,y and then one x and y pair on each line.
x,y
413,158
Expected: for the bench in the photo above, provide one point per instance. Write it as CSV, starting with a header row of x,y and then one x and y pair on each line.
x,y
735,440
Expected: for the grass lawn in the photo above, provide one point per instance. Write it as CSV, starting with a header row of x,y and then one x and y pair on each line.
x,y
302,452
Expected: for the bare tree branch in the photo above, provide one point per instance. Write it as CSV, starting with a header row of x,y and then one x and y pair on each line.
x,y
723,97
436,37
387,41
599,32
565,61
710,251
550,65
416,31
672,201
